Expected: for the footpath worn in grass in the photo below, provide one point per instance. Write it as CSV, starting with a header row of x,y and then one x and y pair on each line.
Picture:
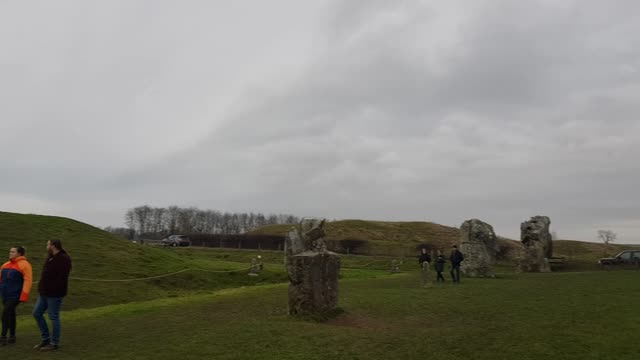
x,y
591,315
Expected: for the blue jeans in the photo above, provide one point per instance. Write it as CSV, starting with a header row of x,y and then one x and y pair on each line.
x,y
52,304
455,273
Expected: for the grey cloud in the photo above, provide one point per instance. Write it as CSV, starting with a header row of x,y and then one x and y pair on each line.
x,y
406,111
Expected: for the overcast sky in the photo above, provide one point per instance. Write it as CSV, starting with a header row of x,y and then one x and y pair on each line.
x,y
384,110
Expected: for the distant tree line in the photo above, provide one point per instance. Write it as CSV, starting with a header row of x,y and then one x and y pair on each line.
x,y
157,222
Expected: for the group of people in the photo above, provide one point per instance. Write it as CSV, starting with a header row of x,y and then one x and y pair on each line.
x,y
16,279
456,257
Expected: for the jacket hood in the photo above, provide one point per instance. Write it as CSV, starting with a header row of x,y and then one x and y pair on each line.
x,y
18,258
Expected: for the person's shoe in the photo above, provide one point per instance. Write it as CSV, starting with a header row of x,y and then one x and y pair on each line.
x,y
42,344
49,347
3,340
11,340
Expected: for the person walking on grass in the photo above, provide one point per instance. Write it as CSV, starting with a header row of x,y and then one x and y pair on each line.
x,y
425,261
15,285
456,258
440,261
52,289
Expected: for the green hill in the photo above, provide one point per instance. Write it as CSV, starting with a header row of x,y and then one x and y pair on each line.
x,y
100,255
402,239
384,238
379,237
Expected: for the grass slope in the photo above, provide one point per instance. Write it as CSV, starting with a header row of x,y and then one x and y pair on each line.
x,y
97,254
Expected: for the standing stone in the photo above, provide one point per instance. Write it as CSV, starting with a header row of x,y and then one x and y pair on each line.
x,y
478,244
313,271
537,245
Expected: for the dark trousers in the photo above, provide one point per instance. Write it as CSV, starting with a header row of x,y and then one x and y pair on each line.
x,y
455,273
440,277
9,316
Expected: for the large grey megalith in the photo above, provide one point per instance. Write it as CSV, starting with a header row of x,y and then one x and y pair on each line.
x,y
313,271
537,247
478,243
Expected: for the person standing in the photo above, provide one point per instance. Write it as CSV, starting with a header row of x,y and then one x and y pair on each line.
x,y
425,261
15,285
52,289
440,261
424,256
456,258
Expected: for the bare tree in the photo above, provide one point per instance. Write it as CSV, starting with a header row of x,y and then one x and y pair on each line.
x,y
200,221
186,220
130,220
225,223
234,224
157,222
153,221
260,220
272,219
143,218
607,237
173,213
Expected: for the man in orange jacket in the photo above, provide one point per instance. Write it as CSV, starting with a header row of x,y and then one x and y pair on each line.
x,y
15,285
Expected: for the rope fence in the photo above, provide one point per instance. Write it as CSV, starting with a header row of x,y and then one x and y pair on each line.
x,y
136,279
365,265
197,269
222,271
154,277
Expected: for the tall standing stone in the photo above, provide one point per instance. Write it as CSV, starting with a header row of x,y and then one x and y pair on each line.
x,y
478,244
313,271
536,243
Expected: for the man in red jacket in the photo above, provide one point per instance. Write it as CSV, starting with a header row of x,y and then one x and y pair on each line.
x,y
52,288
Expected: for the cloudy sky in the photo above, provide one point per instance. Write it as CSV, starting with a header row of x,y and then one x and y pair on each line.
x,y
385,110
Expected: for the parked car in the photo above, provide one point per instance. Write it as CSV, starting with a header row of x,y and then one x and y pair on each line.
x,y
627,257
176,240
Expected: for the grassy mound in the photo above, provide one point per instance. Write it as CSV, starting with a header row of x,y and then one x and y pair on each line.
x,y
380,237
99,255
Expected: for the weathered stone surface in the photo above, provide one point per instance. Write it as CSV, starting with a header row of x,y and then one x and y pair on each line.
x,y
537,245
306,236
313,288
479,245
313,271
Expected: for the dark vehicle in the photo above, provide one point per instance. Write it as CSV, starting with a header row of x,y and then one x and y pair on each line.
x,y
627,257
176,240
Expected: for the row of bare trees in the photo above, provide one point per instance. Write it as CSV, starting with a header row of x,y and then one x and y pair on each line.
x,y
147,221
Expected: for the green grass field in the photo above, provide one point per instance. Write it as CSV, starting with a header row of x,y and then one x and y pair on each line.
x,y
559,316
201,314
